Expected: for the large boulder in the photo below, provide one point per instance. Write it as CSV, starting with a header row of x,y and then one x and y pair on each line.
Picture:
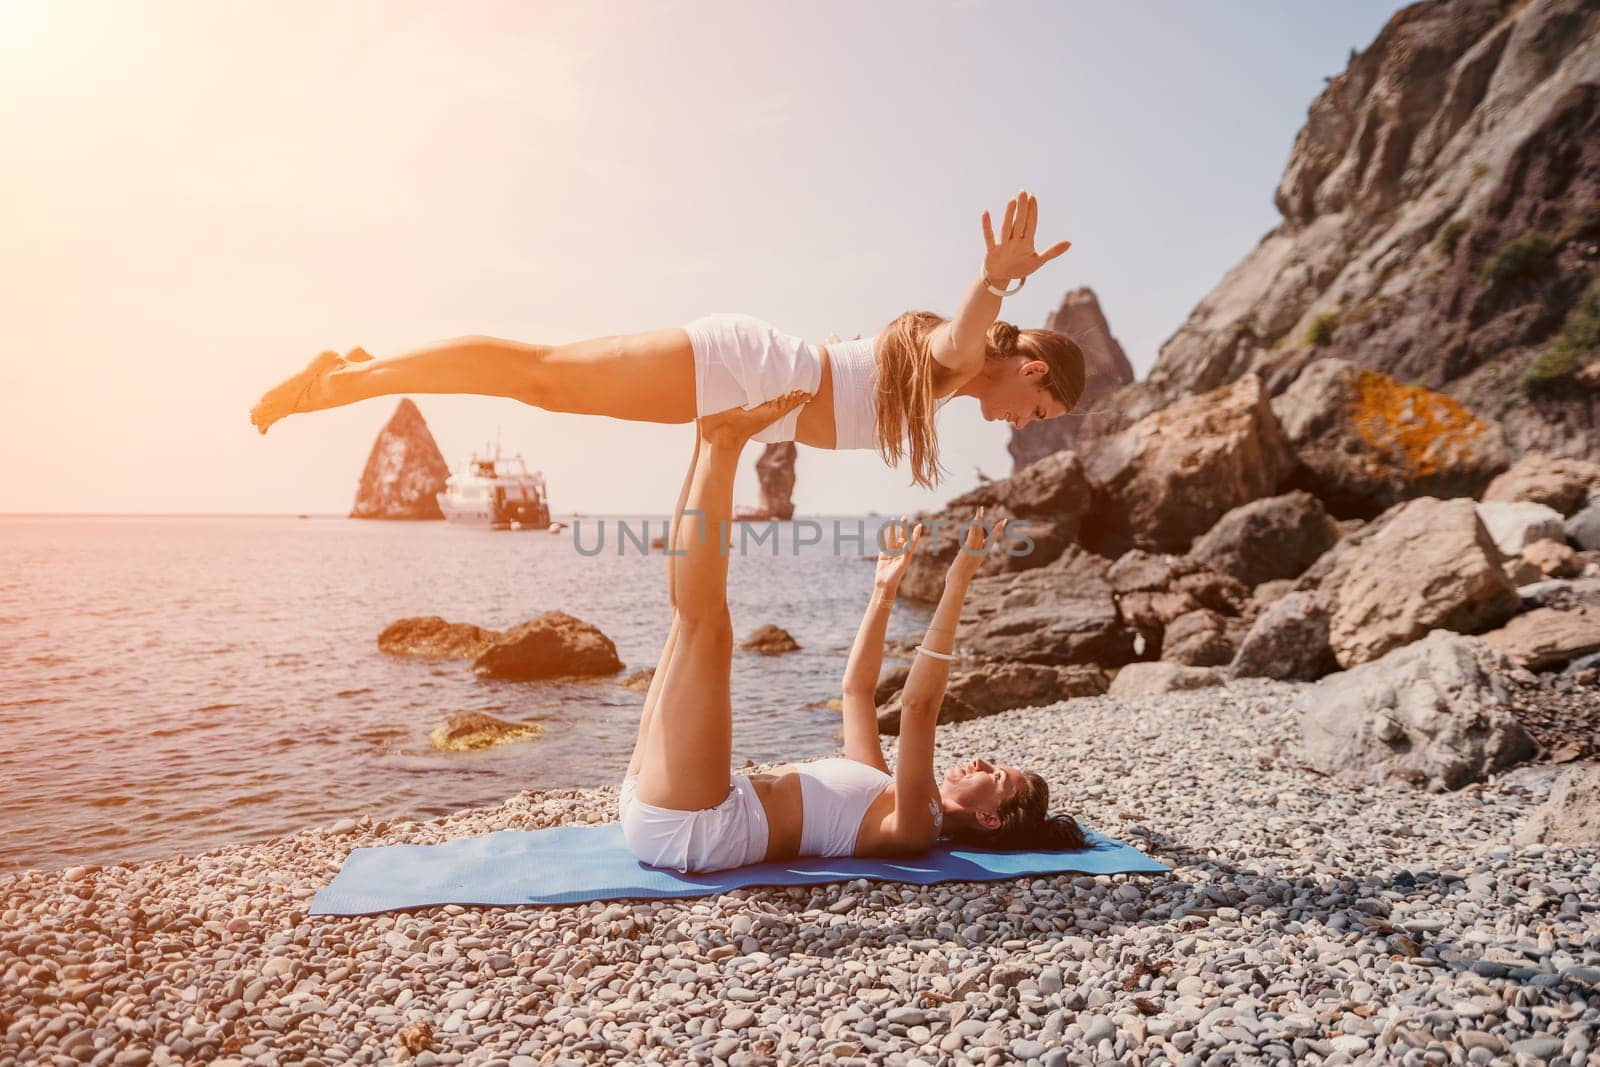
x,y
1045,501
554,645
1059,614
431,637
1432,566
1546,638
1276,537
1571,816
1169,477
1289,641
405,473
1202,638
1436,713
1365,441
1153,679
1555,481
1153,591
1515,526
1583,528
990,688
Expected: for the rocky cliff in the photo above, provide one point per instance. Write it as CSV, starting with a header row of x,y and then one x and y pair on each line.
x,y
775,469
404,471
1106,369
1441,223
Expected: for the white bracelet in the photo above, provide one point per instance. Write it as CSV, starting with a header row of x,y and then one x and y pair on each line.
x,y
1003,292
936,655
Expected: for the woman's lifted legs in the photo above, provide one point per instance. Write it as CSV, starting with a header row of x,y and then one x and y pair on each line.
x,y
685,741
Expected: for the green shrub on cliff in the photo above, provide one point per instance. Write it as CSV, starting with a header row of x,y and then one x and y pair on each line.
x,y
1449,235
1522,259
1578,341
1320,332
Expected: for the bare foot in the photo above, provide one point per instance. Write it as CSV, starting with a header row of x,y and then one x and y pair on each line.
x,y
737,425
302,391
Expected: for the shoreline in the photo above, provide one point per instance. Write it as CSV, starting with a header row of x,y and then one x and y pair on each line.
x,y
1305,918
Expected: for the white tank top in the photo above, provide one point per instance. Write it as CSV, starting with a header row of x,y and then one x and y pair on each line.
x,y
854,365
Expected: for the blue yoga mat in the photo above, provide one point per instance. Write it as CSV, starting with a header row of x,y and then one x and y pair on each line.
x,y
571,864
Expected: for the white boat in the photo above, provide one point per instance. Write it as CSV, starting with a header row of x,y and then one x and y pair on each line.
x,y
496,491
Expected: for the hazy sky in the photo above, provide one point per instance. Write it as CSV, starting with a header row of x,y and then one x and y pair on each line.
x,y
197,197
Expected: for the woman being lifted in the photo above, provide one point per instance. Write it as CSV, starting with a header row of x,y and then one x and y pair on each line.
x,y
880,393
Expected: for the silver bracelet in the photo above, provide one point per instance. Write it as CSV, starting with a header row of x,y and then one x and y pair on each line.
x,y
926,651
1003,292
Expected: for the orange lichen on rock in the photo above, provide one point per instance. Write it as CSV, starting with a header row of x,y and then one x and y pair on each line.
x,y
1419,429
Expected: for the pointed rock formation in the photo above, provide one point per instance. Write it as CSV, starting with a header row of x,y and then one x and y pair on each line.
x,y
775,469
1106,369
404,472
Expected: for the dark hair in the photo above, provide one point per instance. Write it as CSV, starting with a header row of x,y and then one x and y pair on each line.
x,y
1055,350
1025,823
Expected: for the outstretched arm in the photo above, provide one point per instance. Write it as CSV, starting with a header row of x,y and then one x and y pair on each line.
x,y
959,345
866,655
915,784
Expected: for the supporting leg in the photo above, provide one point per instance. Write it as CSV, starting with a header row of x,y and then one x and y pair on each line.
x,y
689,744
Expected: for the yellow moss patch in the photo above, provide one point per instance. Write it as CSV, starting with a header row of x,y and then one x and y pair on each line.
x,y
476,730
1418,429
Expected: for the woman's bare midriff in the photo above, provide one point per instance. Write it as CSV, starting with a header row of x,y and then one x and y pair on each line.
x,y
815,425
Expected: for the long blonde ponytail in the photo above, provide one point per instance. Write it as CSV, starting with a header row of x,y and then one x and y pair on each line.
x,y
905,400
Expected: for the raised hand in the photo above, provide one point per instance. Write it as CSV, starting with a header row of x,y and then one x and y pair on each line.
x,y
898,547
1013,256
975,547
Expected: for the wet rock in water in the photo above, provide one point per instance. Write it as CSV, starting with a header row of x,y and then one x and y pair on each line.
x,y
473,729
431,637
1059,614
639,681
1546,638
769,640
1435,713
554,645
1289,641
1201,638
404,472
1169,477
1432,566
1514,526
1555,481
1274,538
990,688
1150,679
1364,441
1572,814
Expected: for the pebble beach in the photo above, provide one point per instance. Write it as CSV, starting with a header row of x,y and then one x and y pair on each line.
x,y
1305,920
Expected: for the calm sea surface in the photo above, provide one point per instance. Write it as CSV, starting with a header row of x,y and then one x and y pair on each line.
x,y
174,684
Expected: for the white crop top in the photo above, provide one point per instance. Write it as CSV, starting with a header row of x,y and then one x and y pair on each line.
x,y
854,365
835,794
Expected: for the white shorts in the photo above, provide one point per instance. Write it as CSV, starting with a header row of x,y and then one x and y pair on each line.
x,y
732,834
740,361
